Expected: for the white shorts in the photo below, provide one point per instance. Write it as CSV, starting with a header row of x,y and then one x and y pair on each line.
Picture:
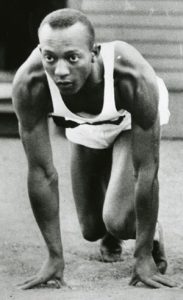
x,y
102,136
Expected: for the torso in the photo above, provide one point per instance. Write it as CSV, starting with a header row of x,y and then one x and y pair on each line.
x,y
95,97
101,101
92,106
124,86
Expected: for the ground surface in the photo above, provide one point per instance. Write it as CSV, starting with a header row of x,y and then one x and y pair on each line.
x,y
22,250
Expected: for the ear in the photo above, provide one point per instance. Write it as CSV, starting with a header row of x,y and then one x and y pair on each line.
x,y
39,47
95,51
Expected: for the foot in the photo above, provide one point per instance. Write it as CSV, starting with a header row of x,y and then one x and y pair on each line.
x,y
158,252
110,249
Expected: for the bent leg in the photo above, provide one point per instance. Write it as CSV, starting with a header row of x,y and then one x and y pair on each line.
x,y
90,169
118,212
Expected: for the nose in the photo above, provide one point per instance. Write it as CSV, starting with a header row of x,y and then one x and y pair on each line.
x,y
62,69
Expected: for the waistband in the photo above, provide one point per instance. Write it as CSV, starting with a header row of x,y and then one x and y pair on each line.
x,y
60,121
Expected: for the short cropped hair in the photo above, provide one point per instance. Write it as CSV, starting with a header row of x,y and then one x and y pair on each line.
x,y
64,18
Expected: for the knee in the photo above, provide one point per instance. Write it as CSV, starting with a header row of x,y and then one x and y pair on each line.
x,y
92,232
112,224
123,228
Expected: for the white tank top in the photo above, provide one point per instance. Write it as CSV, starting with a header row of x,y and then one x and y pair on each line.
x,y
109,111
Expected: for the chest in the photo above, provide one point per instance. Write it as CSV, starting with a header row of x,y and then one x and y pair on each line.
x,y
92,100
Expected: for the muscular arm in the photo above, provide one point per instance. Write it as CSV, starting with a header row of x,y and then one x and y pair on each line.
x,y
138,83
43,184
145,145
143,104
31,102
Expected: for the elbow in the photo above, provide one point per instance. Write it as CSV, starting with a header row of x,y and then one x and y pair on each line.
x,y
147,194
146,180
52,176
42,176
42,185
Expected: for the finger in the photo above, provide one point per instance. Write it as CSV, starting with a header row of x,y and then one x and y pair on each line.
x,y
26,281
151,283
33,283
133,281
58,283
163,280
63,283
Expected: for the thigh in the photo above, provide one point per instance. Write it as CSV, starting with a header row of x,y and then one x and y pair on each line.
x,y
119,200
90,169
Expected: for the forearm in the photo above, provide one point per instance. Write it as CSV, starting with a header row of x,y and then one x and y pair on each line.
x,y
44,197
146,206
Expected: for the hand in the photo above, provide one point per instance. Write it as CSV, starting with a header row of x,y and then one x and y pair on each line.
x,y
146,271
52,270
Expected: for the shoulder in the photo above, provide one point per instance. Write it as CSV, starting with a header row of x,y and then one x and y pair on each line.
x,y
136,80
129,60
29,75
132,70
30,89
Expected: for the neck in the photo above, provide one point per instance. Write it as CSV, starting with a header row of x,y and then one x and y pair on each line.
x,y
96,76
93,83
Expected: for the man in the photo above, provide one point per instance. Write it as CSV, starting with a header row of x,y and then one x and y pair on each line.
x,y
93,90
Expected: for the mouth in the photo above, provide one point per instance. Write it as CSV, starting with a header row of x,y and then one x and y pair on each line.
x,y
64,84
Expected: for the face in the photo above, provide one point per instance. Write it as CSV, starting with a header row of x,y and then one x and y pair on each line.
x,y
66,56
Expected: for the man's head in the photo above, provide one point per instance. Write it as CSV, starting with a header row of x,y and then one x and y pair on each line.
x,y
67,46
64,18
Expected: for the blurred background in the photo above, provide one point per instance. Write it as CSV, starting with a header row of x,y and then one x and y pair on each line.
x,y
153,27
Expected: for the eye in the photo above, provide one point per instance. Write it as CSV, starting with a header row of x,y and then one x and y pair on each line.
x,y
73,58
49,58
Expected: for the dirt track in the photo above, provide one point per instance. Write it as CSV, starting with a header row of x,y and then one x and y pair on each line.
x,y
22,250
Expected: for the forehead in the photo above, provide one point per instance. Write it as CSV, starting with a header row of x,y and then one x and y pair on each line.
x,y
75,36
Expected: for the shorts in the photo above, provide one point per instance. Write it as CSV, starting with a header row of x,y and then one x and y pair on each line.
x,y
102,136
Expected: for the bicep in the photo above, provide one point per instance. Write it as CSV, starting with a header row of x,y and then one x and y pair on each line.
x,y
138,87
146,101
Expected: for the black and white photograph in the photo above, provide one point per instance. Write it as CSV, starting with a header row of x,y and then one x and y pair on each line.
x,y
91,149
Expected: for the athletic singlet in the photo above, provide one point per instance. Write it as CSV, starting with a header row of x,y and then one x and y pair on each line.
x,y
108,112
96,131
